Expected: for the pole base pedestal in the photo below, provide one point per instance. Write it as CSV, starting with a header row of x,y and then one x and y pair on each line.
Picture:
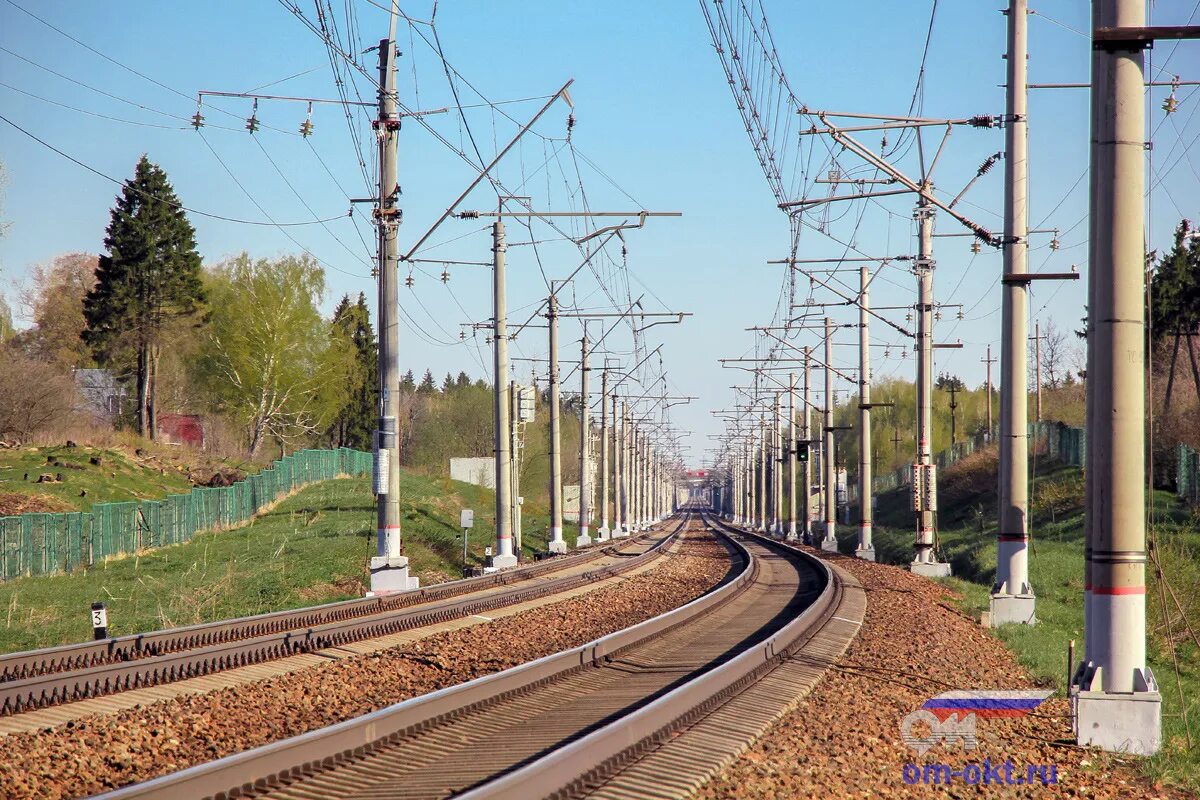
x,y
583,540
1119,722
390,575
603,535
500,562
620,533
865,553
829,545
930,569
792,536
1011,609
557,546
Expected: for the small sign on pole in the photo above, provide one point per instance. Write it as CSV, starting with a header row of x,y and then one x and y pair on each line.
x,y
466,521
99,621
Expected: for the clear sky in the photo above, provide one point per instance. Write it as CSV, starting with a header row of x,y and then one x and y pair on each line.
x,y
655,127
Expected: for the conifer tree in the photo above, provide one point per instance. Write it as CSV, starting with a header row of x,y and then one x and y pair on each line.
x,y
149,276
354,425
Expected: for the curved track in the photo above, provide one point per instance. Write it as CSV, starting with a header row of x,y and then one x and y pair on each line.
x,y
560,726
42,678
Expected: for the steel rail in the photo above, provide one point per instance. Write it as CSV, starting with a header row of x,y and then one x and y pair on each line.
x,y
614,746
30,663
109,678
259,770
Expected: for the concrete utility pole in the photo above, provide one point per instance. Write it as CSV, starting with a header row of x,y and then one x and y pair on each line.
x,y
604,532
514,449
1037,370
585,443
1012,598
618,469
989,361
389,567
1115,697
777,470
556,543
503,556
829,543
624,525
866,549
763,455
806,432
924,472
791,453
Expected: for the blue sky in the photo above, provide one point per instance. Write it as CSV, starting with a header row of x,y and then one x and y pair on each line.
x,y
652,111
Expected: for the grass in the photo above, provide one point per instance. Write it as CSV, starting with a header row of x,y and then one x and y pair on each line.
x,y
311,548
967,536
115,478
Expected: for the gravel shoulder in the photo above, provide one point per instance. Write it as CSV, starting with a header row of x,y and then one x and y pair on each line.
x,y
98,753
844,740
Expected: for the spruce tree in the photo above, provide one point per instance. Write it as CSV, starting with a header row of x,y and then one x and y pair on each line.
x,y
149,276
355,423
427,385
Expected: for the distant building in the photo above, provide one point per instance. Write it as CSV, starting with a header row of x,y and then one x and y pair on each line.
x,y
479,471
181,429
100,394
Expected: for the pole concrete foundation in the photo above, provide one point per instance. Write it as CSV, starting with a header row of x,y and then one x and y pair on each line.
x,y
1006,608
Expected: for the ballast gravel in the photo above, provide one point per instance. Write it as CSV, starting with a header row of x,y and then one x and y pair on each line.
x,y
843,740
103,752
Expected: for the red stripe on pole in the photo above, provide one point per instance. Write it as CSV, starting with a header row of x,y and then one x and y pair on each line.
x,y
1118,590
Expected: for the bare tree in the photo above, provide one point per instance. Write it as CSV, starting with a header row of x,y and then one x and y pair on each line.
x,y
34,396
1055,356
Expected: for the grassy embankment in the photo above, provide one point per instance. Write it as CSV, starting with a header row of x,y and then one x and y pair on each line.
x,y
310,548
967,497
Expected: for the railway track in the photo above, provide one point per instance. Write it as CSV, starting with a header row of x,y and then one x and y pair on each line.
x,y
38,679
650,710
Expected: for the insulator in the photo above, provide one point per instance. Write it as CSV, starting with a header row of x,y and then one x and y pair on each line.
x,y
306,127
487,340
1171,104
462,336
937,316
445,276
252,121
983,121
408,281
960,315
1055,243
908,317
197,120
975,246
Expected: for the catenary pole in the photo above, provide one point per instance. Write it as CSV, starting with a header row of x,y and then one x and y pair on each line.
x,y
866,549
604,531
806,489
829,542
585,444
1117,704
777,469
1012,598
791,451
389,567
503,556
556,543
925,487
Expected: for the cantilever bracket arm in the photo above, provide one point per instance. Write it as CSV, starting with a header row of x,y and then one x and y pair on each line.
x,y
1023,278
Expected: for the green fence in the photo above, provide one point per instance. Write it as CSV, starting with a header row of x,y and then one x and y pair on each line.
x,y
42,544
1061,442
1187,474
